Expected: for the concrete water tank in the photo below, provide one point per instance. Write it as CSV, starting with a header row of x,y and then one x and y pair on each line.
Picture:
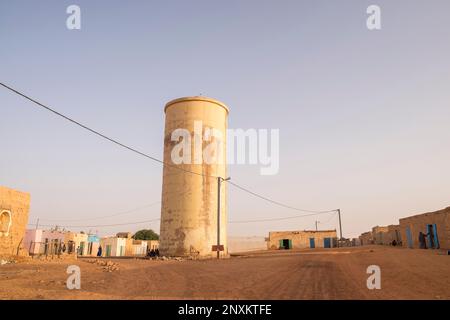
x,y
189,200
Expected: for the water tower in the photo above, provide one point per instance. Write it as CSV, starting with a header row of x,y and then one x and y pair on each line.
x,y
189,209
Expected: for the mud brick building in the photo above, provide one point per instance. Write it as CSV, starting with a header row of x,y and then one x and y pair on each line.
x,y
393,233
378,234
301,239
14,208
435,225
366,238
382,235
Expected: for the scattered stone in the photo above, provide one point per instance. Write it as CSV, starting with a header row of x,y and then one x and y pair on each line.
x,y
3,262
108,266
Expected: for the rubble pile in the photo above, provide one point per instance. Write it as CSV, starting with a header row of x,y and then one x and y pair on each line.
x,y
108,266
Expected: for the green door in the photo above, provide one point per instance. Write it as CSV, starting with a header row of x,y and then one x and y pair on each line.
x,y
81,248
108,250
290,244
281,244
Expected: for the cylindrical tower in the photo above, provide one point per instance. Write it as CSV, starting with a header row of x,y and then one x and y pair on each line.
x,y
195,141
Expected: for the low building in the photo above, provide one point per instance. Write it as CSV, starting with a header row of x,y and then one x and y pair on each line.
x,y
379,234
301,239
356,242
139,248
152,244
393,234
14,208
434,225
366,238
93,245
76,243
44,242
113,246
128,243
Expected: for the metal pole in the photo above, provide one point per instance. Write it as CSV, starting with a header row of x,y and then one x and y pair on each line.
x,y
219,180
37,223
316,225
340,225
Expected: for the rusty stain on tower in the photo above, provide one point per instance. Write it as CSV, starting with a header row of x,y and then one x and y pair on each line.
x,y
189,200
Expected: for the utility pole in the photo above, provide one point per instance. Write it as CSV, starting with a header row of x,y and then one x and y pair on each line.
x,y
219,182
37,223
340,225
316,225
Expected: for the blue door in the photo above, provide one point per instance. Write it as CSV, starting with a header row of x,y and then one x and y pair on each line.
x,y
327,242
409,237
436,239
432,237
312,244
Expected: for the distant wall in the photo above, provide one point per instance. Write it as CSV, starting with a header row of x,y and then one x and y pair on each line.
x,y
244,244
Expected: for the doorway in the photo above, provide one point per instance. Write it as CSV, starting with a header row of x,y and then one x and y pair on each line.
x,y
432,237
327,242
286,244
81,248
312,243
409,237
108,250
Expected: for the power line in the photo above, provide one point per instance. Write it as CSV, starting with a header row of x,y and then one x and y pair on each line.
x,y
329,219
277,219
276,202
116,214
100,225
148,156
101,134
108,216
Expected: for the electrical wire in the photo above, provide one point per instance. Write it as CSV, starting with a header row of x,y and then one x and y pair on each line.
x,y
329,219
99,225
103,135
276,219
276,202
153,158
102,217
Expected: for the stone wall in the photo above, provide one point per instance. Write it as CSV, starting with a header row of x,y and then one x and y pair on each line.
x,y
14,208
244,244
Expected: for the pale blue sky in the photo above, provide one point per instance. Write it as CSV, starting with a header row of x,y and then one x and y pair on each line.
x,y
363,115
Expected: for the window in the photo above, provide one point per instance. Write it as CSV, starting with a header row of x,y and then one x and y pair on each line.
x,y
5,222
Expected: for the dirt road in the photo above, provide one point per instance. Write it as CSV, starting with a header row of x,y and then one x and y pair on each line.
x,y
309,274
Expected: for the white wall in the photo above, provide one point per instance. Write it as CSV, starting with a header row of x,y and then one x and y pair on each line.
x,y
116,244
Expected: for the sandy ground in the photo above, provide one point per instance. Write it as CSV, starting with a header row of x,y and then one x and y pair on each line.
x,y
308,274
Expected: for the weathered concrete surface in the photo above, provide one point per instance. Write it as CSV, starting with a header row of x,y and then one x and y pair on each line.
x,y
189,201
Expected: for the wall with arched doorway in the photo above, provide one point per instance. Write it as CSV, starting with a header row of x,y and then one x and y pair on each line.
x,y
14,208
5,222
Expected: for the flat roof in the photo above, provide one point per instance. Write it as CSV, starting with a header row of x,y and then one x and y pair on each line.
x,y
196,98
